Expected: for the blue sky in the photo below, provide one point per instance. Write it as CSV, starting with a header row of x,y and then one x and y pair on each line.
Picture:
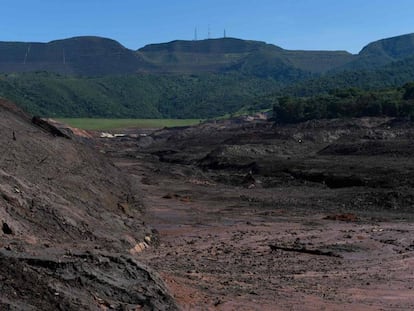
x,y
291,24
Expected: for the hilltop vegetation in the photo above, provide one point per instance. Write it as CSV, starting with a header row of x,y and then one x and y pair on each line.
x,y
94,56
183,96
383,52
98,77
81,55
391,75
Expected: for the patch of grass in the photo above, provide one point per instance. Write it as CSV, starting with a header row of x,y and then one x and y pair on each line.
x,y
112,124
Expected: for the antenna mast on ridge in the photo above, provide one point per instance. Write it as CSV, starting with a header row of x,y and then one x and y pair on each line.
x,y
208,34
224,35
27,54
195,34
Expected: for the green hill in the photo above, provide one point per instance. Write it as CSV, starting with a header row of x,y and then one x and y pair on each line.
x,y
98,77
133,96
382,52
231,54
395,48
391,75
94,56
79,55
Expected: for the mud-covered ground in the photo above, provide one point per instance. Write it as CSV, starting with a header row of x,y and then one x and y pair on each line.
x,y
70,225
253,216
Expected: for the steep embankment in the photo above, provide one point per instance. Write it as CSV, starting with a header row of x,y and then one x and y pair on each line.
x,y
70,225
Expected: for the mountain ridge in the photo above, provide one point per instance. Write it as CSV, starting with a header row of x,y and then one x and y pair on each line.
x,y
98,77
97,56
382,52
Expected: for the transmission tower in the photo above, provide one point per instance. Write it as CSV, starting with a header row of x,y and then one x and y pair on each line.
x,y
27,54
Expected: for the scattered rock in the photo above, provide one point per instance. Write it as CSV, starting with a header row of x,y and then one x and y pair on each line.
x,y
6,229
343,217
169,196
185,199
59,198
49,127
138,248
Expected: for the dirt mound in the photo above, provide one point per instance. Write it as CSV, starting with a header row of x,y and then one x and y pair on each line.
x,y
5,105
59,198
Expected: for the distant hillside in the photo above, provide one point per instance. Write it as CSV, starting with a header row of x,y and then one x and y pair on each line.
x,y
133,96
395,48
94,56
383,52
98,77
214,55
79,55
229,54
391,75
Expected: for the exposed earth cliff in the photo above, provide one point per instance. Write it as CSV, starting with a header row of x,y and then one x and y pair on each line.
x,y
71,224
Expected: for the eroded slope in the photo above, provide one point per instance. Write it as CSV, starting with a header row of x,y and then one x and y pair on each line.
x,y
70,226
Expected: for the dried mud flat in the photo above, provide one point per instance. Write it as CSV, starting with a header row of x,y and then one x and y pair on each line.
x,y
245,215
252,216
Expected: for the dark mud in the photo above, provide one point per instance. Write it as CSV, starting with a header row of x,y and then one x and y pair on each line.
x,y
232,215
71,224
222,193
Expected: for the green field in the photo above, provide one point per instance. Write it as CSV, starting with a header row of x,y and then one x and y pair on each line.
x,y
112,124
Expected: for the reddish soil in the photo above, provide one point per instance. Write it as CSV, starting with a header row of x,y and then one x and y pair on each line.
x,y
245,215
214,251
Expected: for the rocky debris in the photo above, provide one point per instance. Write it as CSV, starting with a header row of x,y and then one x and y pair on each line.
x,y
176,196
303,250
249,181
214,252
140,247
170,196
6,229
342,217
72,132
47,126
196,181
58,200
79,281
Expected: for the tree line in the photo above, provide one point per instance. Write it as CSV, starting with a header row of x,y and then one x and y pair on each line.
x,y
341,103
